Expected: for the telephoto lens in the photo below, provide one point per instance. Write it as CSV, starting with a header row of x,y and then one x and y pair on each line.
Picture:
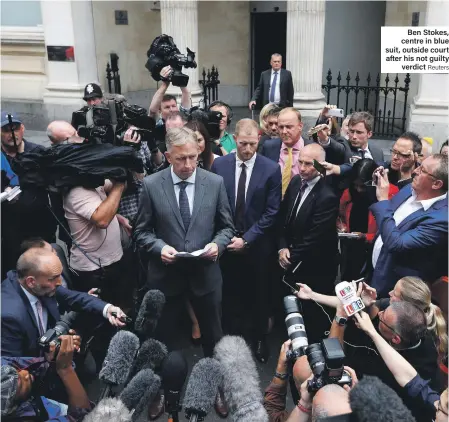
x,y
295,327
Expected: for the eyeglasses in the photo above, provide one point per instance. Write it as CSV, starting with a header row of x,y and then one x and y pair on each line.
x,y
400,154
421,169
440,409
388,326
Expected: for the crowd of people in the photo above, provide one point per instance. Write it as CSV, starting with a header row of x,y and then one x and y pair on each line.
x,y
225,228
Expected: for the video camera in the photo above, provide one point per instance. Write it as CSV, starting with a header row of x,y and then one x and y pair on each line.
x,y
163,52
325,358
61,328
210,119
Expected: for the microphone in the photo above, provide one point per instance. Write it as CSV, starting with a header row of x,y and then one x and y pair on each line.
x,y
173,374
150,355
373,401
141,391
150,311
241,384
119,359
202,388
109,410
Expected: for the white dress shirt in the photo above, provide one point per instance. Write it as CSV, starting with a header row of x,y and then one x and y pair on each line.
x,y
310,186
190,188
238,171
405,209
33,300
277,89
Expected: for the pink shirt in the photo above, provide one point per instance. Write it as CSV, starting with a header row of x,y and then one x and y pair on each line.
x,y
284,155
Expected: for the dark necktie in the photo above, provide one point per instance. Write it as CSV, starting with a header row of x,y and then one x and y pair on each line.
x,y
240,202
362,153
298,201
273,87
184,204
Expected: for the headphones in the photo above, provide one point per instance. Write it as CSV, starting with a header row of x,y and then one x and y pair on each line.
x,y
222,104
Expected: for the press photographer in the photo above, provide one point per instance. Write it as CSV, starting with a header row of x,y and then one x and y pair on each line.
x,y
165,63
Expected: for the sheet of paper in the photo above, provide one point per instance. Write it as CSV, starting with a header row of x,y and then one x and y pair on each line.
x,y
194,254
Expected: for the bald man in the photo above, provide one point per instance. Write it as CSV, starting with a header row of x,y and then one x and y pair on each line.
x,y
331,400
31,300
308,237
60,131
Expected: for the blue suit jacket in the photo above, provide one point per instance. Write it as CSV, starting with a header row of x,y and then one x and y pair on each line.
x,y
20,332
263,197
416,247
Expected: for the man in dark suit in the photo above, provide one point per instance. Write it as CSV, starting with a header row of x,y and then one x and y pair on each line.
x,y
285,150
308,236
412,227
32,298
275,86
253,185
185,209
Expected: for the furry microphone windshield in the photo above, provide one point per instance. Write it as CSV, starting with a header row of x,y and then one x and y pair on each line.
x,y
149,313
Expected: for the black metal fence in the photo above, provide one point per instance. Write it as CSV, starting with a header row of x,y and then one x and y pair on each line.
x,y
210,84
113,76
390,114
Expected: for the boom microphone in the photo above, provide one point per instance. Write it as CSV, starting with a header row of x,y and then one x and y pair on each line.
x,y
202,388
140,392
373,401
174,374
150,311
119,360
109,410
241,384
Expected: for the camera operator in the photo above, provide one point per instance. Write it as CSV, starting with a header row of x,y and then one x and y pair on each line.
x,y
21,380
163,104
60,131
226,142
31,301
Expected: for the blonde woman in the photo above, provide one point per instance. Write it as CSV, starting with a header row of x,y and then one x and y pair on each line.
x,y
263,118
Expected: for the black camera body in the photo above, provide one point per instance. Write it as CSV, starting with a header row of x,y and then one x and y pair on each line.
x,y
61,328
325,358
210,119
163,52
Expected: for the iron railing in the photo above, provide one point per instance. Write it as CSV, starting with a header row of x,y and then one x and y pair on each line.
x,y
113,76
390,114
210,84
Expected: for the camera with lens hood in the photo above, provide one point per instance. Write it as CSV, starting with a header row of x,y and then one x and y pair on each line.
x,y
62,328
325,358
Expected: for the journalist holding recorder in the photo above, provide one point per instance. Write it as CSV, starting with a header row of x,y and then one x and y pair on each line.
x,y
32,297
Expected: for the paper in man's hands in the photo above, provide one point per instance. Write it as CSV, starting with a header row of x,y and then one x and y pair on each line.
x,y
194,254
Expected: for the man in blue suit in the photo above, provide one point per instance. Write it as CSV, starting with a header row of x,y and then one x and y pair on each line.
x,y
253,186
412,226
31,301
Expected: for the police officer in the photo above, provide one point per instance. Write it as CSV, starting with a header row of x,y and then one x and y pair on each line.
x,y
93,94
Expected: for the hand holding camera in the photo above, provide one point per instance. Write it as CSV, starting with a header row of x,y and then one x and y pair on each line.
x,y
65,355
55,347
380,178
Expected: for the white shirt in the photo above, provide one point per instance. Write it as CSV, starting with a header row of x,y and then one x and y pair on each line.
x,y
277,89
238,171
310,186
190,188
405,209
33,300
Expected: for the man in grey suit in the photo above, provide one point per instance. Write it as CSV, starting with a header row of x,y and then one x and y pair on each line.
x,y
275,86
184,209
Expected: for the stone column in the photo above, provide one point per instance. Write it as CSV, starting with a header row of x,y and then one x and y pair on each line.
x,y
429,112
305,46
179,19
68,23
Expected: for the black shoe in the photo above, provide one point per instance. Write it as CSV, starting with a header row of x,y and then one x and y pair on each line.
x,y
262,351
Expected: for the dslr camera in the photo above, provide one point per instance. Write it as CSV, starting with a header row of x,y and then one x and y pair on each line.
x,y
61,328
163,52
325,358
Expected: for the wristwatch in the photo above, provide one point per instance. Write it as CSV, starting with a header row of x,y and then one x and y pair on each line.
x,y
281,376
341,320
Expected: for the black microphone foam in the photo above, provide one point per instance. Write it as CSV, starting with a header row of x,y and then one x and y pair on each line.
x,y
241,384
173,374
373,401
150,311
150,355
140,392
119,358
202,387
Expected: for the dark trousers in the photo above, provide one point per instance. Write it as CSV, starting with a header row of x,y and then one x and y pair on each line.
x,y
208,312
245,293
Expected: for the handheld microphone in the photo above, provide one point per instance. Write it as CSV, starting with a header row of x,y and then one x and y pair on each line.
x,y
348,296
149,313
202,388
141,391
150,355
119,359
241,384
373,401
174,374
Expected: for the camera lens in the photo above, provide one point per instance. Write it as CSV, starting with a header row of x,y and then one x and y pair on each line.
x,y
295,323
316,359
